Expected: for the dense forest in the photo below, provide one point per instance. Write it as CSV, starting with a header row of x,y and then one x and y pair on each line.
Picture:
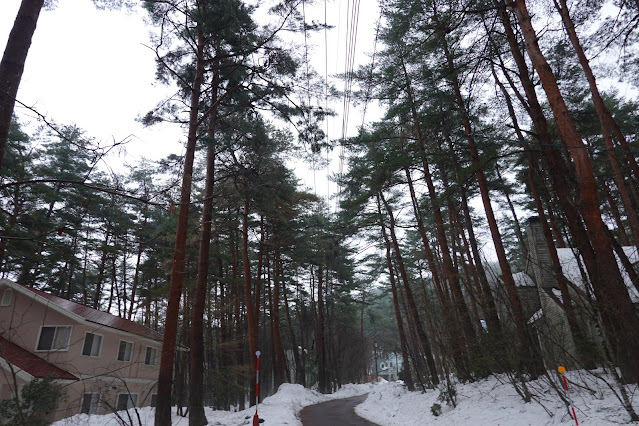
x,y
495,113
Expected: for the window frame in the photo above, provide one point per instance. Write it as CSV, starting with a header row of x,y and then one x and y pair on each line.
x,y
7,291
65,349
84,343
134,403
94,404
117,355
154,359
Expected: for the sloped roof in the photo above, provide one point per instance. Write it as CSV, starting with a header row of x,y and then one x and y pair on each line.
x,y
92,315
31,363
570,268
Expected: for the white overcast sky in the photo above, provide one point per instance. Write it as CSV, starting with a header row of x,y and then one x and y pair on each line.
x,y
91,67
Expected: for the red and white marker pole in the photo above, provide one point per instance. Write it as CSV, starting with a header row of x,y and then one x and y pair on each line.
x,y
256,418
562,370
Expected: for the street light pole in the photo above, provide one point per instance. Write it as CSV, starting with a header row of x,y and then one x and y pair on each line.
x,y
256,418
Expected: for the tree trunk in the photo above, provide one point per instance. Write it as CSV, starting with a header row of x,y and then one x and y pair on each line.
x,y
280,358
619,316
555,226
196,366
449,272
557,167
616,214
319,333
136,276
181,361
300,315
72,262
251,316
582,342
527,356
165,379
455,336
299,371
518,233
98,285
490,307
423,339
240,340
12,65
606,121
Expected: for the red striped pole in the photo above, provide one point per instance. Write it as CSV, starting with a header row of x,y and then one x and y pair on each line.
x,y
562,370
256,418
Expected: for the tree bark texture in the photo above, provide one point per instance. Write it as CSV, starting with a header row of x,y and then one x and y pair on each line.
x,y
319,334
618,314
251,317
165,379
466,328
606,121
280,358
12,65
527,356
562,282
412,307
196,366
453,331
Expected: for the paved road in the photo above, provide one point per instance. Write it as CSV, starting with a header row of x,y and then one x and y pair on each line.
x,y
339,412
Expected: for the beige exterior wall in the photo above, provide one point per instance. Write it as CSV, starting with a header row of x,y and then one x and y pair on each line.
x,y
109,388
22,321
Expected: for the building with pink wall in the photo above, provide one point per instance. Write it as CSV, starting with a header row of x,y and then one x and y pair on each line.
x,y
105,363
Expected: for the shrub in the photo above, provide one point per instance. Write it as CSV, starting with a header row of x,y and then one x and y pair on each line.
x,y
436,409
35,401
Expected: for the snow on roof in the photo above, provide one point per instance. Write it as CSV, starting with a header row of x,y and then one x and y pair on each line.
x,y
522,279
570,268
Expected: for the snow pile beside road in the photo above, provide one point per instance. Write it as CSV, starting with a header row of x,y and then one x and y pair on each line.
x,y
279,409
495,402
488,402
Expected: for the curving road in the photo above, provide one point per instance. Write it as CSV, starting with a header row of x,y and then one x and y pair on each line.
x,y
339,412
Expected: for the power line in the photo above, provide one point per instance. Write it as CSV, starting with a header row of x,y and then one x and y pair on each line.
x,y
556,145
351,43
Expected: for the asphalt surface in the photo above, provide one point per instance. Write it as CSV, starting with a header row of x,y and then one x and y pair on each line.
x,y
339,412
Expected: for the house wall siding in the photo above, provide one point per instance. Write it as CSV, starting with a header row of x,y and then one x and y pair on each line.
x,y
21,321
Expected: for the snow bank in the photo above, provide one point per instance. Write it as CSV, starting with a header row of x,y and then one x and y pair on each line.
x,y
495,402
492,402
279,409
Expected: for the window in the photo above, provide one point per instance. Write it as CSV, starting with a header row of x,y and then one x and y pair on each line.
x,y
90,403
53,338
125,350
154,400
151,355
7,295
92,344
126,401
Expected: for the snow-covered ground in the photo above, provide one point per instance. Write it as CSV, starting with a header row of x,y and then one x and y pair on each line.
x,y
488,402
496,402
